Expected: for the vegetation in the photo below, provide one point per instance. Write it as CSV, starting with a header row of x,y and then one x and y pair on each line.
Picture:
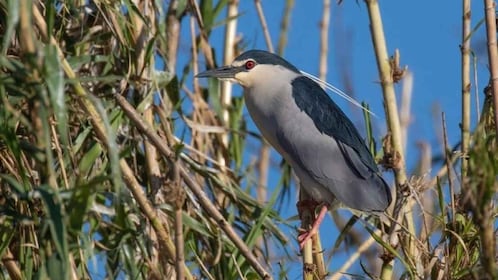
x,y
113,165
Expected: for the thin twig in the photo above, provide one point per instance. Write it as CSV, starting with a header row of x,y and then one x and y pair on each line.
x,y
284,27
60,156
172,36
404,113
352,259
324,40
195,66
205,48
179,240
263,171
262,19
465,49
449,168
476,88
490,12
237,267
440,174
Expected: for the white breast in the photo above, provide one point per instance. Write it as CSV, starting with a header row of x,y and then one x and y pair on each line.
x,y
273,109
267,99
266,105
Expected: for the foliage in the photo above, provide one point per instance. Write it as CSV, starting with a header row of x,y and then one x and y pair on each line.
x,y
93,188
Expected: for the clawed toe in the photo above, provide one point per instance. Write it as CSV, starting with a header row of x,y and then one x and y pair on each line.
x,y
305,235
302,239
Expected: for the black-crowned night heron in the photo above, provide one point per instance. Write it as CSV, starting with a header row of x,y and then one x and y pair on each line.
x,y
310,131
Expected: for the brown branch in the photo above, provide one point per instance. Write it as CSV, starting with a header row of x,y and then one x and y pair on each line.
x,y
26,37
284,26
11,265
324,40
262,20
490,12
179,240
172,36
447,159
465,49
404,113
263,169
205,48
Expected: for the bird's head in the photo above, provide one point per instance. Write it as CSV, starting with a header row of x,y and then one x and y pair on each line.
x,y
251,67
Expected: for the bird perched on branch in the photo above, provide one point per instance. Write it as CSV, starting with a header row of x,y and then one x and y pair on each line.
x,y
297,117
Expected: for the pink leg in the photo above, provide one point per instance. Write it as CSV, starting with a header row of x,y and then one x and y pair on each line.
x,y
305,236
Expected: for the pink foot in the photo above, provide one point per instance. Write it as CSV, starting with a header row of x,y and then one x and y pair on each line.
x,y
306,235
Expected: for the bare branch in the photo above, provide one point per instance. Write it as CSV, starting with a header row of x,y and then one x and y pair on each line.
x,y
262,19
465,49
324,40
490,12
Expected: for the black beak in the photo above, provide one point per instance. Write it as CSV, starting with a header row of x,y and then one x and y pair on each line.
x,y
224,72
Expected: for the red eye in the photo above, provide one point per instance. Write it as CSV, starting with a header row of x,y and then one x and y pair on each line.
x,y
250,64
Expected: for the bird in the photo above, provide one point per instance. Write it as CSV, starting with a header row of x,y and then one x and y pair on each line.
x,y
311,132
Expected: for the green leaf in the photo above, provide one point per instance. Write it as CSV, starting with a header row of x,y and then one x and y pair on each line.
x,y
82,198
342,235
54,78
237,125
55,220
90,158
182,6
214,95
173,90
12,20
207,13
391,250
7,231
368,128
20,188
112,147
57,268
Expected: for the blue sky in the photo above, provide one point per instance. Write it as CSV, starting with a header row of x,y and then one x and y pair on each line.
x,y
428,35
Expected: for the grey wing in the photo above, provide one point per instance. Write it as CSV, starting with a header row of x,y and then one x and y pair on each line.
x,y
369,190
339,169
328,118
333,153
